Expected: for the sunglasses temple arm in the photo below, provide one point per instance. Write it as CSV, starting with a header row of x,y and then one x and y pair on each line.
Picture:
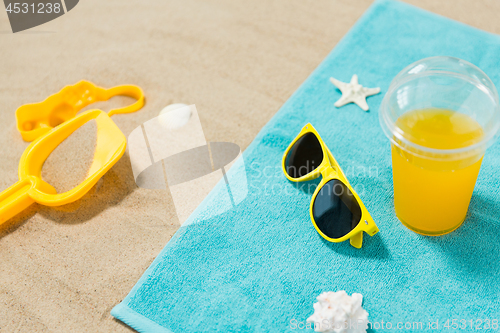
x,y
357,240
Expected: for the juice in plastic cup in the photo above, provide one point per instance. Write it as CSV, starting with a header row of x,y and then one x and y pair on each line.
x,y
419,204
440,114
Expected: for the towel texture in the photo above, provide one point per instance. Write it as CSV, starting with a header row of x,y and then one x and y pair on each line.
x,y
259,266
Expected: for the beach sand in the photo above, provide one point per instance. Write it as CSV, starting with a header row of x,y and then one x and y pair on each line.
x,y
62,269
68,165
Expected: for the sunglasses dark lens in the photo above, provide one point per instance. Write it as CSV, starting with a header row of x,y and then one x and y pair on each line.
x,y
304,156
335,209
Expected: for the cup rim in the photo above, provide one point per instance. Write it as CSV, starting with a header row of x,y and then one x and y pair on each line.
x,y
394,133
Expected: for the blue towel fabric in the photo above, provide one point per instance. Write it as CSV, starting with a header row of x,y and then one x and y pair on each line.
x,y
259,266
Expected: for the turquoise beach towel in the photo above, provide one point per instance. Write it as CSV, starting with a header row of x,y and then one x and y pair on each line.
x,y
260,266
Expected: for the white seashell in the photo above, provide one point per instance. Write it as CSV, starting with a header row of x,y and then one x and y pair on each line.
x,y
175,116
337,312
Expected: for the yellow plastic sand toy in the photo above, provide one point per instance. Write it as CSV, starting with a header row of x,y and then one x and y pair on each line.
x,y
30,188
34,120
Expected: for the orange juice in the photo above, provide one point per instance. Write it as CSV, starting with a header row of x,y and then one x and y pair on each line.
x,y
432,196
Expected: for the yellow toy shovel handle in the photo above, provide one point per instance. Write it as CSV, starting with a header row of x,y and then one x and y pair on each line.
x,y
126,90
15,199
18,197
34,120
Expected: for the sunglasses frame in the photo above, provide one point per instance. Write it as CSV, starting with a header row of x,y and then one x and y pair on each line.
x,y
329,169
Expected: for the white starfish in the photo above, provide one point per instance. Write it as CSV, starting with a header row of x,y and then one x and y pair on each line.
x,y
353,92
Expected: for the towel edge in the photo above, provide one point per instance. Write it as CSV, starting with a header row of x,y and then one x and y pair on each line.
x,y
135,320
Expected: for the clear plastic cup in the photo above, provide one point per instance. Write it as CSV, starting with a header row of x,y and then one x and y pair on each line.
x,y
440,114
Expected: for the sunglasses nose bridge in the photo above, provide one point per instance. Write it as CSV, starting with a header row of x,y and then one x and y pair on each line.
x,y
327,171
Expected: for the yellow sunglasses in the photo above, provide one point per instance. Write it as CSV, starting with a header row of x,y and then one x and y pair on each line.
x,y
336,210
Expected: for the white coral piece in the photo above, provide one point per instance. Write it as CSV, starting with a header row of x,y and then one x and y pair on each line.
x,y
337,312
